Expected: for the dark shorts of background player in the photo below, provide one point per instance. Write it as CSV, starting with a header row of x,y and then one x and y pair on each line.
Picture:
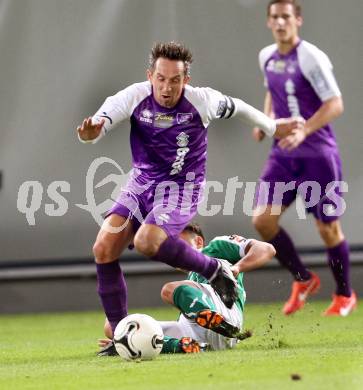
x,y
172,211
322,169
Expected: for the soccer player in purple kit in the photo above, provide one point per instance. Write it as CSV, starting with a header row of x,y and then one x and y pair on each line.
x,y
300,82
169,121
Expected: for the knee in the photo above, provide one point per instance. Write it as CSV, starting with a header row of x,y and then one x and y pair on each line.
x,y
331,233
265,226
147,242
167,292
102,252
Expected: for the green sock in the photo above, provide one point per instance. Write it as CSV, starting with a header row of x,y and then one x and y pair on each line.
x,y
191,300
171,345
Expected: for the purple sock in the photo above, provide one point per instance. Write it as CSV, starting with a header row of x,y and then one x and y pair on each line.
x,y
178,254
288,257
338,258
112,290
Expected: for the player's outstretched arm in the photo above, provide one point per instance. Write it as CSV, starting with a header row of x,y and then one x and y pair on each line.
x,y
257,133
258,253
88,131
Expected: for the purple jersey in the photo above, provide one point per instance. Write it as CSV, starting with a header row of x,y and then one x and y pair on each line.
x,y
299,82
166,143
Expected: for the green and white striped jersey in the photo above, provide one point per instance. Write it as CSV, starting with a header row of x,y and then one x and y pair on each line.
x,y
230,248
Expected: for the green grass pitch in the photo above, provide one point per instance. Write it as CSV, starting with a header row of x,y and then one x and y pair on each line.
x,y
57,351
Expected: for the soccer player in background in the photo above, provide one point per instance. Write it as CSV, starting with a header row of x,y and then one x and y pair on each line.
x,y
205,321
169,121
300,82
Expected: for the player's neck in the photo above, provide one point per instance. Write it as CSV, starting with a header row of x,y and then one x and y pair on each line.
x,y
286,47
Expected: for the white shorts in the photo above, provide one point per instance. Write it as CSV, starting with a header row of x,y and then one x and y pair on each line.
x,y
188,328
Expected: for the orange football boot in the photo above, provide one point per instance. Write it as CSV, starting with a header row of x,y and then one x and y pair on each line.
x,y
341,305
300,291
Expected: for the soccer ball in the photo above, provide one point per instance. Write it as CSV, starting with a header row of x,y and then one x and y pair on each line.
x,y
138,337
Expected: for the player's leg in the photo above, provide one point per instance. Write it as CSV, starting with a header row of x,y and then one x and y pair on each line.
x,y
179,339
267,224
327,211
187,297
199,305
161,242
272,200
344,299
108,247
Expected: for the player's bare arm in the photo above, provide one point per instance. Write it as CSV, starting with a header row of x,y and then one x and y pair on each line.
x,y
329,110
258,253
89,131
257,133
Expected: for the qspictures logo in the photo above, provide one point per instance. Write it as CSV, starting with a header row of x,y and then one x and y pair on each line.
x,y
128,188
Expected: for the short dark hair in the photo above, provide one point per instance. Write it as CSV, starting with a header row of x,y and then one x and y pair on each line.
x,y
195,229
172,51
294,3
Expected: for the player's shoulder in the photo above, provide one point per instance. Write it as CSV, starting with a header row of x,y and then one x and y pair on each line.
x,y
202,94
232,239
266,53
141,88
309,54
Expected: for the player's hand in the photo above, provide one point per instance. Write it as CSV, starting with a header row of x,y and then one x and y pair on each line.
x,y
88,131
285,126
293,140
257,134
103,342
235,270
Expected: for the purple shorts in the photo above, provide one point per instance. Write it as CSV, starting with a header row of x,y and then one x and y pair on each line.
x,y
317,180
168,205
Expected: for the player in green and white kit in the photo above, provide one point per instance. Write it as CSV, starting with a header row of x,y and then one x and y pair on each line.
x,y
204,318
205,321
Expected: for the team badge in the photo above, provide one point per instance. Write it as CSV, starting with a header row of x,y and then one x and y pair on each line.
x,y
182,140
184,117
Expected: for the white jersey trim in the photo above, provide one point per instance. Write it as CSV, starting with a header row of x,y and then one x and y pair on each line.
x,y
210,103
241,242
263,57
318,70
120,107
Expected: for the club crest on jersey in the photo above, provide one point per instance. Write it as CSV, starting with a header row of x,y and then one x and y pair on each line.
x,y
146,116
182,139
291,67
276,66
184,117
163,120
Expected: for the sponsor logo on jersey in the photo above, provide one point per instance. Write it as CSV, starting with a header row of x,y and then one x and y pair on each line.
x,y
163,217
184,117
236,238
292,101
146,116
276,66
182,141
319,80
163,121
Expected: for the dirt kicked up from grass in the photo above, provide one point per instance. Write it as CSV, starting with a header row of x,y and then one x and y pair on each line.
x,y
304,351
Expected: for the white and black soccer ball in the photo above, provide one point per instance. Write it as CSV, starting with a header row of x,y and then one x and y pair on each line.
x,y
138,337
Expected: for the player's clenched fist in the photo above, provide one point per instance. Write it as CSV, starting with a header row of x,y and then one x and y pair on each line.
x,y
285,126
257,134
89,131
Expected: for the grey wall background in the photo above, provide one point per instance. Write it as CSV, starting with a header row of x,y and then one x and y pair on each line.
x,y
60,59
